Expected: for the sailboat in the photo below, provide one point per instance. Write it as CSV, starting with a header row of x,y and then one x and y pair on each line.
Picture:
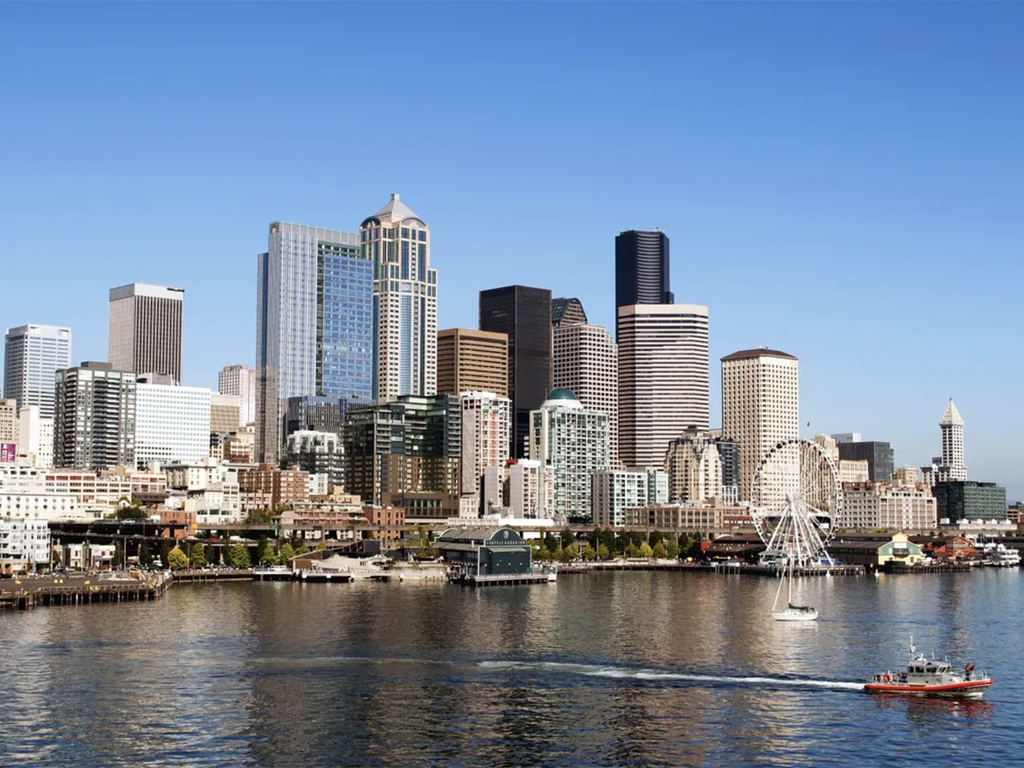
x,y
791,612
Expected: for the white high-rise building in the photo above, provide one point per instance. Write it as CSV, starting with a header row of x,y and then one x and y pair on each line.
x,y
663,378
486,436
897,509
694,468
35,436
24,543
614,491
760,405
404,301
172,423
575,443
32,356
952,426
240,380
585,361
145,329
529,489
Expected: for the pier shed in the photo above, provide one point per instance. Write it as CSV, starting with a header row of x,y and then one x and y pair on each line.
x,y
875,550
482,552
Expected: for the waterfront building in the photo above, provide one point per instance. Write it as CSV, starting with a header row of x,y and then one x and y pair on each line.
x,y
406,452
318,453
760,405
524,315
397,241
576,443
9,431
32,356
145,329
172,422
529,489
875,550
314,324
663,378
585,361
853,471
225,413
472,361
880,506
41,505
705,519
879,457
567,312
614,491
641,270
486,426
24,544
240,381
268,487
483,552
952,467
35,437
694,468
94,426
969,500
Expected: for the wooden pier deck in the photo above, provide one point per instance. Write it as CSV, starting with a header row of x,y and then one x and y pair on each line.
x,y
28,592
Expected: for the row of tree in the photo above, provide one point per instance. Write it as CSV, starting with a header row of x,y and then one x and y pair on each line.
x,y
608,544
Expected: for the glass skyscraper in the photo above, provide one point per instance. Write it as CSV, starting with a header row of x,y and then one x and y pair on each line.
x,y
32,356
314,324
641,270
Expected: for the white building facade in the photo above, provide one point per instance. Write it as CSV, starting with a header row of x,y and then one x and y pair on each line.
x,y
694,468
172,424
24,544
897,509
952,426
585,361
530,489
240,381
35,437
615,491
486,436
32,356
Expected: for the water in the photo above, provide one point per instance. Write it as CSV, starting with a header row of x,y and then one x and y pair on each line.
x,y
619,669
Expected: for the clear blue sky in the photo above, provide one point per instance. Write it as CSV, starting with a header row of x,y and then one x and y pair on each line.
x,y
841,181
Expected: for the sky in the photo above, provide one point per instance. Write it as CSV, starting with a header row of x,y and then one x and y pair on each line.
x,y
844,182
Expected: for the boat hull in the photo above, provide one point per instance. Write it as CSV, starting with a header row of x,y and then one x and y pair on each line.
x,y
795,615
968,689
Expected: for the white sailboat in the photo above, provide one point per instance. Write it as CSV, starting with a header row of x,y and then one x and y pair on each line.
x,y
791,612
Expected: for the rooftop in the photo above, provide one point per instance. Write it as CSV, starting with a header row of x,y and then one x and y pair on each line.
x,y
951,418
396,210
749,354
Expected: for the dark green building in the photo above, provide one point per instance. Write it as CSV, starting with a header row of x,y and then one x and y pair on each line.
x,y
479,552
970,500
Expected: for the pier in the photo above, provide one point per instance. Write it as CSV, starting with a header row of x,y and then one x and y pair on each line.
x,y
31,592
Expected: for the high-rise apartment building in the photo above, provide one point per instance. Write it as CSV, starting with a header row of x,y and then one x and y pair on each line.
x,y
486,425
952,467
469,360
614,491
145,329
760,405
318,453
314,324
575,443
663,378
585,361
567,312
240,381
404,301
35,436
694,468
172,423
32,356
524,315
94,425
641,270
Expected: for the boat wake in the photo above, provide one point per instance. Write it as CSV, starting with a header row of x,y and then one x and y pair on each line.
x,y
594,670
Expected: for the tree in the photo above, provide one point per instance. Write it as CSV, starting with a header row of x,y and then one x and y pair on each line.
x,y
197,557
286,554
543,553
549,542
646,551
661,551
603,553
165,553
632,551
177,560
572,552
262,550
588,553
655,538
567,538
427,551
260,517
238,556
118,554
55,557
145,556
302,549
672,548
322,545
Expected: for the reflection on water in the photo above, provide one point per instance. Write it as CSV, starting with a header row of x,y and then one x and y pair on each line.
x,y
627,669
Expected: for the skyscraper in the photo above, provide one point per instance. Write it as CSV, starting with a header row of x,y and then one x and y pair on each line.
x,y
32,356
641,269
567,312
585,361
524,315
952,426
145,329
172,423
486,423
663,378
314,323
404,301
469,360
94,425
240,380
760,405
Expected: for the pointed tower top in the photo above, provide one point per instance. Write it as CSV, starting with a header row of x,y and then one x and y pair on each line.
x,y
951,418
396,210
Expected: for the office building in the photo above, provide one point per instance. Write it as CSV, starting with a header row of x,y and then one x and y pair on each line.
x,y
472,361
585,361
32,356
905,476
486,425
145,329
663,378
575,443
314,324
404,301
316,414
760,406
641,270
952,467
172,423
614,491
94,425
567,312
240,381
694,468
318,453
524,315
270,488
529,489
969,500
9,432
35,437
846,437
879,457
880,506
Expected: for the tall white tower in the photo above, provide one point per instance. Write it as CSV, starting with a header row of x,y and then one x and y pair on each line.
x,y
586,363
404,301
952,426
33,354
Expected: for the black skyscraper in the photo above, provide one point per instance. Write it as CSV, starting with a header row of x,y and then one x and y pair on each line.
x,y
641,270
525,315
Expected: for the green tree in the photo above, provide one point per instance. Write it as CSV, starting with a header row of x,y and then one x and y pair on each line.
x,y
603,553
260,517
543,553
572,552
197,556
632,551
238,556
302,549
672,548
118,555
286,554
661,551
165,553
588,553
145,556
608,539
262,549
655,538
55,556
549,542
322,545
646,551
427,551
177,560
567,537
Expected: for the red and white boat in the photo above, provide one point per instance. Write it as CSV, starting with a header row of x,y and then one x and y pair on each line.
x,y
924,677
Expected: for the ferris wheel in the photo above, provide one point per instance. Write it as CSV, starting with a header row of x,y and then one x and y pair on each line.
x,y
797,501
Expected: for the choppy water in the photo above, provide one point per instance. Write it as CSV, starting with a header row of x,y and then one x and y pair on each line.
x,y
626,669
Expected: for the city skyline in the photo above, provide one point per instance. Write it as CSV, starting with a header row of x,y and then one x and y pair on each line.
x,y
775,265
